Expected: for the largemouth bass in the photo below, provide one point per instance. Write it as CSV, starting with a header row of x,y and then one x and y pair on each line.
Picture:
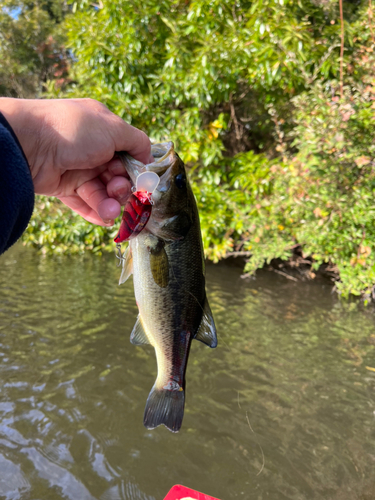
x,y
167,263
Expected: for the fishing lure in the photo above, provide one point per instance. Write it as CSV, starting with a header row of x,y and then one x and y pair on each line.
x,y
138,208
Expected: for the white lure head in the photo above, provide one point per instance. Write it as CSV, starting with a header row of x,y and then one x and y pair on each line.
x,y
147,181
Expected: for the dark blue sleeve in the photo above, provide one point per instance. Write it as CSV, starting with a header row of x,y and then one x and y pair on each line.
x,y
16,188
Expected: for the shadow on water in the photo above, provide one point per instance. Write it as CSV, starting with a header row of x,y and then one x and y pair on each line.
x,y
282,409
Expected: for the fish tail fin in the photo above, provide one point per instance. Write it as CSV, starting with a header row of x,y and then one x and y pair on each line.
x,y
165,406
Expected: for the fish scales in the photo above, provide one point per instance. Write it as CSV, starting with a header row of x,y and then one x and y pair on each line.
x,y
169,285
164,310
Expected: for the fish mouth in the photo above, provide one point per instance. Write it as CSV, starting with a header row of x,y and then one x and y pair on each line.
x,y
164,157
162,150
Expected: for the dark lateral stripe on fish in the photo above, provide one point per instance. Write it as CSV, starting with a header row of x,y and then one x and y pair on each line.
x,y
180,356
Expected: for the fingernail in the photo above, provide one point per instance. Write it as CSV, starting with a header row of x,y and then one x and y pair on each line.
x,y
109,222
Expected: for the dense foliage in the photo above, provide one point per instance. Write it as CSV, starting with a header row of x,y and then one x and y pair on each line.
x,y
250,94
31,46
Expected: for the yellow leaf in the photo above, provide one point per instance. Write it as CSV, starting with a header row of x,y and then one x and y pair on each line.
x,y
370,368
216,124
214,132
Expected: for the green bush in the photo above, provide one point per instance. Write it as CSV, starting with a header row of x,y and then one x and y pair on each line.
x,y
323,196
249,93
54,228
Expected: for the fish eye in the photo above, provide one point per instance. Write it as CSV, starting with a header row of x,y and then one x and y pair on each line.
x,y
180,181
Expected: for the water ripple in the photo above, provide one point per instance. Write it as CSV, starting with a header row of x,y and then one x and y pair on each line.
x,y
288,384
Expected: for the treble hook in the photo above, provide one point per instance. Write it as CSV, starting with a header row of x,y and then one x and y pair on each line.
x,y
119,254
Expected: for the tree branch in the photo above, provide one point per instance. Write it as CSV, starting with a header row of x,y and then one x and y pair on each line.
x,y
341,51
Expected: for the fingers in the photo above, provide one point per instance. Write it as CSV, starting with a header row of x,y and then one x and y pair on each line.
x,y
109,209
119,188
97,195
94,194
114,167
132,140
117,181
78,205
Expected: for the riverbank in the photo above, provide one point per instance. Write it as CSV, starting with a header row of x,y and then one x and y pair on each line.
x,y
347,264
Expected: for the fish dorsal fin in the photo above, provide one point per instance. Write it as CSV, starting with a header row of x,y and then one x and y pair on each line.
x,y
207,331
127,265
138,335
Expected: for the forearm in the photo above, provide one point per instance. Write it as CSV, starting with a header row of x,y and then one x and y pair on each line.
x,y
22,115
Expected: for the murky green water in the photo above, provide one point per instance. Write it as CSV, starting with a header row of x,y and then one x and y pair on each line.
x,y
284,408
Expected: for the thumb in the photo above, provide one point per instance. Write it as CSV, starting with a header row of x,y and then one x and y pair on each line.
x,y
132,140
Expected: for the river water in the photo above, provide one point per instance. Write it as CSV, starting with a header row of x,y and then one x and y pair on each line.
x,y
284,408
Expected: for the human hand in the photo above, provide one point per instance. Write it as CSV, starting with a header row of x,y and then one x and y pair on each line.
x,y
70,146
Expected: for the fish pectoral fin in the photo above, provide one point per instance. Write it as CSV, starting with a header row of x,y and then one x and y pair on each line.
x,y
159,266
127,265
207,331
176,228
138,335
173,229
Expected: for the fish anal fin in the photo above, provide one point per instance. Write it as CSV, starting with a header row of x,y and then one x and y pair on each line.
x,y
165,407
207,331
138,335
127,265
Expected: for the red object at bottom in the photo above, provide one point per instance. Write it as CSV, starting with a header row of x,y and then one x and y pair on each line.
x,y
179,492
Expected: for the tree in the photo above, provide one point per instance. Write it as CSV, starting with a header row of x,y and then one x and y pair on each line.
x,y
250,94
31,47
